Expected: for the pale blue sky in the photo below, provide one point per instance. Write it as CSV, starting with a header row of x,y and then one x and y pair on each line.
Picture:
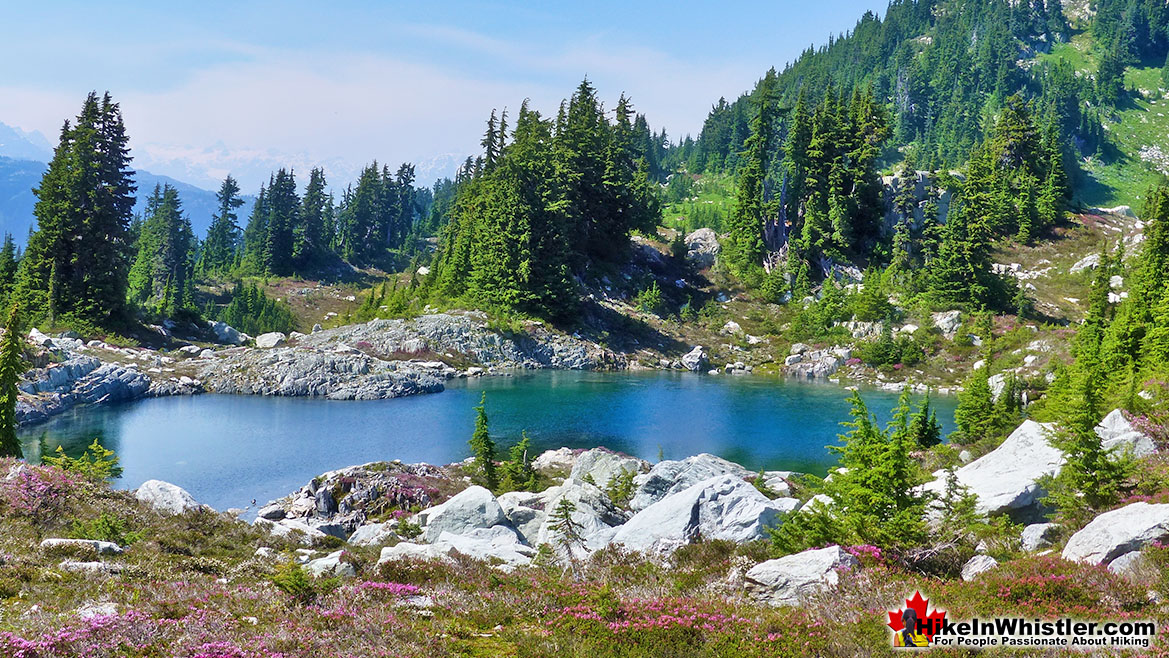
x,y
218,87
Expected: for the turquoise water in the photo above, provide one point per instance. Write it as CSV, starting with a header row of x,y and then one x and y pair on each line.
x,y
227,450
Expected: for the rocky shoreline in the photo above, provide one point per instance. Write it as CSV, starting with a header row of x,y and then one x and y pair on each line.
x,y
597,499
379,359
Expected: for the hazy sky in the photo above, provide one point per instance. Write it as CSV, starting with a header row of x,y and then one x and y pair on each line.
x,y
217,88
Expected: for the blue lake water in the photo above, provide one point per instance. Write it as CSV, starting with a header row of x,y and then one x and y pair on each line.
x,y
227,450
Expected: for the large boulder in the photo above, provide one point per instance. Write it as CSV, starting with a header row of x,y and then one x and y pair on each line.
x,y
497,545
472,508
271,339
293,529
702,248
372,534
331,566
601,465
1005,479
668,477
225,333
1120,531
695,360
593,513
721,507
166,497
525,511
787,580
1117,433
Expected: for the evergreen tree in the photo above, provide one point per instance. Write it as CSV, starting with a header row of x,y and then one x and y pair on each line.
x,y
744,247
283,206
162,274
924,427
76,262
310,235
218,253
975,414
8,267
11,365
483,447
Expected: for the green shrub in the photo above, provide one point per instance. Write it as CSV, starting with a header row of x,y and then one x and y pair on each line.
x,y
105,527
101,465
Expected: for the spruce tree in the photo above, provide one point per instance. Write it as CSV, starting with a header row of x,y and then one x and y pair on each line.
x,y
163,271
218,252
11,365
8,267
744,246
76,263
483,447
309,236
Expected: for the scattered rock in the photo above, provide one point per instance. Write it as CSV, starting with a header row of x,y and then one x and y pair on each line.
x,y
1038,536
978,564
98,547
331,566
271,339
1116,432
787,580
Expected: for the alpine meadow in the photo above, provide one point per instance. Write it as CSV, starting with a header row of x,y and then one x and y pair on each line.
x,y
869,353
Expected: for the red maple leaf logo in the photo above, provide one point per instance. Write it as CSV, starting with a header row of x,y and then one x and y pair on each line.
x,y
930,623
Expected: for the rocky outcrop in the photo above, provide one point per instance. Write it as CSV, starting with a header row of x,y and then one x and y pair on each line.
x,y
1006,480
166,498
601,465
721,507
1120,531
79,379
787,580
493,545
668,477
82,545
393,358
816,364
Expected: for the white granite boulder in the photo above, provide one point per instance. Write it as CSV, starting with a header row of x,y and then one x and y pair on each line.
x,y
1005,479
271,339
1117,433
1038,536
787,580
474,507
166,498
331,566
668,477
1120,531
721,507
602,465
372,534
978,564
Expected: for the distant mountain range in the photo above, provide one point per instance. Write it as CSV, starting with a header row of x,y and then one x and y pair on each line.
x,y
23,158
